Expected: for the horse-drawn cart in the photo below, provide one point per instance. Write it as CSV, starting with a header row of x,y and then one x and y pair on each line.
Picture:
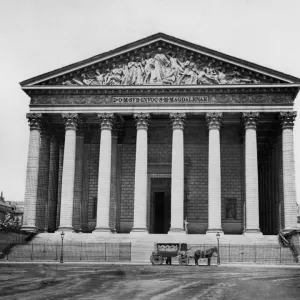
x,y
166,251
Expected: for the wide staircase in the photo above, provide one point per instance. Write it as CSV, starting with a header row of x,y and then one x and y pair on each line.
x,y
137,248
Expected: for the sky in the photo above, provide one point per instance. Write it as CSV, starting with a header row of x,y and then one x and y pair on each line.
x,y
38,36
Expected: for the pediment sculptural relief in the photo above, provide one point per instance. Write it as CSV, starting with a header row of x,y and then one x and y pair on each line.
x,y
161,67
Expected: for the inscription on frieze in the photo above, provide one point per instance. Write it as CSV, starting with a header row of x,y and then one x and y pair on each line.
x,y
127,100
199,99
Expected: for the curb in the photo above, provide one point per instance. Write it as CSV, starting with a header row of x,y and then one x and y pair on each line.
x,y
8,263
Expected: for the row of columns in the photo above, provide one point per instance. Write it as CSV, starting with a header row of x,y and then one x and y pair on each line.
x,y
214,122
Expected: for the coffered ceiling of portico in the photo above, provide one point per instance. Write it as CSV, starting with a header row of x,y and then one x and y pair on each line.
x,y
160,60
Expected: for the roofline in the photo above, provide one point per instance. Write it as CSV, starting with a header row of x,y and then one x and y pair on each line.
x,y
166,38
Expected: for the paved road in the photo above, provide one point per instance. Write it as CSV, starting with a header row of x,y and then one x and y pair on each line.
x,y
41,281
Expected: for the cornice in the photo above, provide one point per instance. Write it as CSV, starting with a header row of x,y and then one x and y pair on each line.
x,y
163,87
291,89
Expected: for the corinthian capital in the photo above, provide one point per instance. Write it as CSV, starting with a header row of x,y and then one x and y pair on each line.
x,y
177,120
142,120
35,121
106,120
250,119
287,119
71,121
214,120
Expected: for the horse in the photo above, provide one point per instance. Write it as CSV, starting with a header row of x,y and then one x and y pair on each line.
x,y
205,254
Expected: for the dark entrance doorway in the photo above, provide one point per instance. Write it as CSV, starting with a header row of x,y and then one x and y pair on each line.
x,y
160,205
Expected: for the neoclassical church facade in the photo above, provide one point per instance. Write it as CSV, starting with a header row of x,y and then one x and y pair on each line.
x,y
161,136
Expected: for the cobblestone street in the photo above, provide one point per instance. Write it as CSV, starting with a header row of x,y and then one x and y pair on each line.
x,y
42,281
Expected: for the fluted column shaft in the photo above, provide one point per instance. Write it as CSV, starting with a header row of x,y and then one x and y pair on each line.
x,y
214,173
52,188
177,175
104,174
288,166
67,190
59,182
29,220
251,173
140,183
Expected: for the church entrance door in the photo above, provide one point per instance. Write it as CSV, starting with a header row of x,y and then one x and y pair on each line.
x,y
161,207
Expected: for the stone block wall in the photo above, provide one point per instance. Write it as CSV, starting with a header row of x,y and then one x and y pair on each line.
x,y
93,185
196,160
127,187
232,170
271,206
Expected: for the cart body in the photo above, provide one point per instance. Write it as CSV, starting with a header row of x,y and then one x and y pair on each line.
x,y
168,250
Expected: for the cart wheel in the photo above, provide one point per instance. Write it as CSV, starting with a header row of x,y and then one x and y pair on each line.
x,y
156,259
183,260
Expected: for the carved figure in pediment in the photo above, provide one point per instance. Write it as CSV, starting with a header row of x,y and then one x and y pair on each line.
x,y
190,75
176,69
75,80
115,76
107,73
162,66
86,80
245,80
201,78
211,73
69,82
224,77
132,70
126,77
140,72
99,78
149,66
135,72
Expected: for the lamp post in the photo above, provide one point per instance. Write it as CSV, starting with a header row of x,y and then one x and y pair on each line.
x,y
62,247
218,238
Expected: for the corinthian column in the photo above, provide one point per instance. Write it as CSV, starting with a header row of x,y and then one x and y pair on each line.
x,y
251,173
52,187
29,222
104,174
177,180
214,173
288,165
141,163
67,189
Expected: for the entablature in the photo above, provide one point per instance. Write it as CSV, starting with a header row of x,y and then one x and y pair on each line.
x,y
161,100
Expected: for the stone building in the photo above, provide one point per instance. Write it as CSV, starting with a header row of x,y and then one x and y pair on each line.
x,y
161,136
14,208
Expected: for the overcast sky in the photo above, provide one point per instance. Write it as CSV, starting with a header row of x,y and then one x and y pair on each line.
x,y
39,36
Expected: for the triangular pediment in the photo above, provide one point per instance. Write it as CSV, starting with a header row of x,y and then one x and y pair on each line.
x,y
160,60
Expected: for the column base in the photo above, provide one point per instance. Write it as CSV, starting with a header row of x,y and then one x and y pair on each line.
x,y
253,233
102,231
29,228
139,231
177,231
214,231
257,231
65,229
